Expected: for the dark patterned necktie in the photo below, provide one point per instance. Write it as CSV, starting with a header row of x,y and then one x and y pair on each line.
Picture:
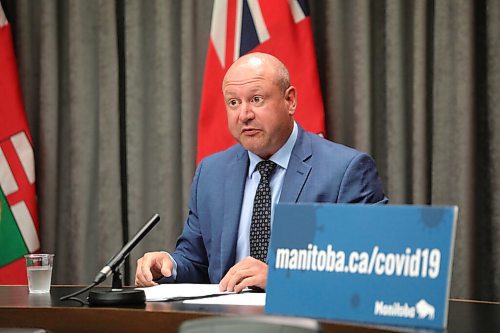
x,y
260,229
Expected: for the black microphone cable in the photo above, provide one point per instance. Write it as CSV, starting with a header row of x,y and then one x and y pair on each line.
x,y
114,264
99,278
72,296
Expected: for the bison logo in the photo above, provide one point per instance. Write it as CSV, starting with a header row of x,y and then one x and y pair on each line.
x,y
424,309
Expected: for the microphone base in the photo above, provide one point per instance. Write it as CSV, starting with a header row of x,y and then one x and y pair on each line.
x,y
117,298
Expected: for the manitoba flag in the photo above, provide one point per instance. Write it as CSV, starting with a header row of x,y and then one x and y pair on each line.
x,y
278,27
18,212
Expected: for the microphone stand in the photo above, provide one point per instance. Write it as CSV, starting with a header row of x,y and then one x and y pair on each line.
x,y
117,281
117,295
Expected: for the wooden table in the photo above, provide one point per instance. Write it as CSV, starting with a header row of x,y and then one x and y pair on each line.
x,y
18,308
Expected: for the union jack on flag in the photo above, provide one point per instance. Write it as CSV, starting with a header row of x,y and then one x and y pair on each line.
x,y
279,27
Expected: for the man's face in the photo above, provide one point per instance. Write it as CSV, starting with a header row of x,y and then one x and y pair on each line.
x,y
259,113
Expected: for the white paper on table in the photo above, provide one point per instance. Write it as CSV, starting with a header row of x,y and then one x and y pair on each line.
x,y
181,291
245,298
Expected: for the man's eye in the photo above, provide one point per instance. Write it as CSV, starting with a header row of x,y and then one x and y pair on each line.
x,y
232,102
258,99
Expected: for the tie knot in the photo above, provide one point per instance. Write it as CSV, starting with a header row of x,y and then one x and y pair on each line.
x,y
266,168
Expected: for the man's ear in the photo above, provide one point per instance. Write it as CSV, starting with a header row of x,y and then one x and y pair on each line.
x,y
291,99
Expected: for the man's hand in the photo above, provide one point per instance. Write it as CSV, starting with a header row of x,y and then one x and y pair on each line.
x,y
249,272
152,266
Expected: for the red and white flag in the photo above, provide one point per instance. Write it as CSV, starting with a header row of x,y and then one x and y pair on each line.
x,y
18,208
279,27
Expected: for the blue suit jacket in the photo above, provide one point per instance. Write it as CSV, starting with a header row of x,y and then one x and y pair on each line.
x,y
318,171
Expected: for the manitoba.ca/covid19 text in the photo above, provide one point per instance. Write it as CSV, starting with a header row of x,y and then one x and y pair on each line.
x,y
417,263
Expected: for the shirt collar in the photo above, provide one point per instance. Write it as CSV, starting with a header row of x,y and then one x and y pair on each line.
x,y
281,157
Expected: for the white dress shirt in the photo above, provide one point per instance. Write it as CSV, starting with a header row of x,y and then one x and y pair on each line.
x,y
281,158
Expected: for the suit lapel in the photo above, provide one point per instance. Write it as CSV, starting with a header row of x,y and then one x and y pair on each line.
x,y
298,169
233,197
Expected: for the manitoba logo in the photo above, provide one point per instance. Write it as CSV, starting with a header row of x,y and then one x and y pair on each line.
x,y
424,310
403,310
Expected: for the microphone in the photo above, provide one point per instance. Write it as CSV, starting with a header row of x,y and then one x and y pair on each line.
x,y
115,262
118,296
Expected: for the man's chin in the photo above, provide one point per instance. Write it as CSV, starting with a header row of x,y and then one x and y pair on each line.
x,y
252,146
257,150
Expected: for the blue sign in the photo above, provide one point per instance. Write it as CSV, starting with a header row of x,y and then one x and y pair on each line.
x,y
378,264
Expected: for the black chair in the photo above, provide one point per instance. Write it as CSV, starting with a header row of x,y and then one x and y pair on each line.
x,y
251,324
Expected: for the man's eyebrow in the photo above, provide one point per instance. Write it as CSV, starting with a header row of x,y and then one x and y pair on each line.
x,y
229,91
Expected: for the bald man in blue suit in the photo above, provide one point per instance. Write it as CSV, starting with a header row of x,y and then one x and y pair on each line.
x,y
260,104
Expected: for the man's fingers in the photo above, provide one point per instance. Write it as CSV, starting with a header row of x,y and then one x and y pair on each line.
x,y
148,268
146,275
223,282
143,276
247,282
236,283
249,272
139,275
143,283
223,285
233,276
231,281
152,266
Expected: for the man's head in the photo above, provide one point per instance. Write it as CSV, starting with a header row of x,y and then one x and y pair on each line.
x,y
260,103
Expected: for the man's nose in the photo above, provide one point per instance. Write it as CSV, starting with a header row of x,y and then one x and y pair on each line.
x,y
246,112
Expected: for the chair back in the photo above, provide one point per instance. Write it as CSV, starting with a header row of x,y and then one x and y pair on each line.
x,y
251,324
